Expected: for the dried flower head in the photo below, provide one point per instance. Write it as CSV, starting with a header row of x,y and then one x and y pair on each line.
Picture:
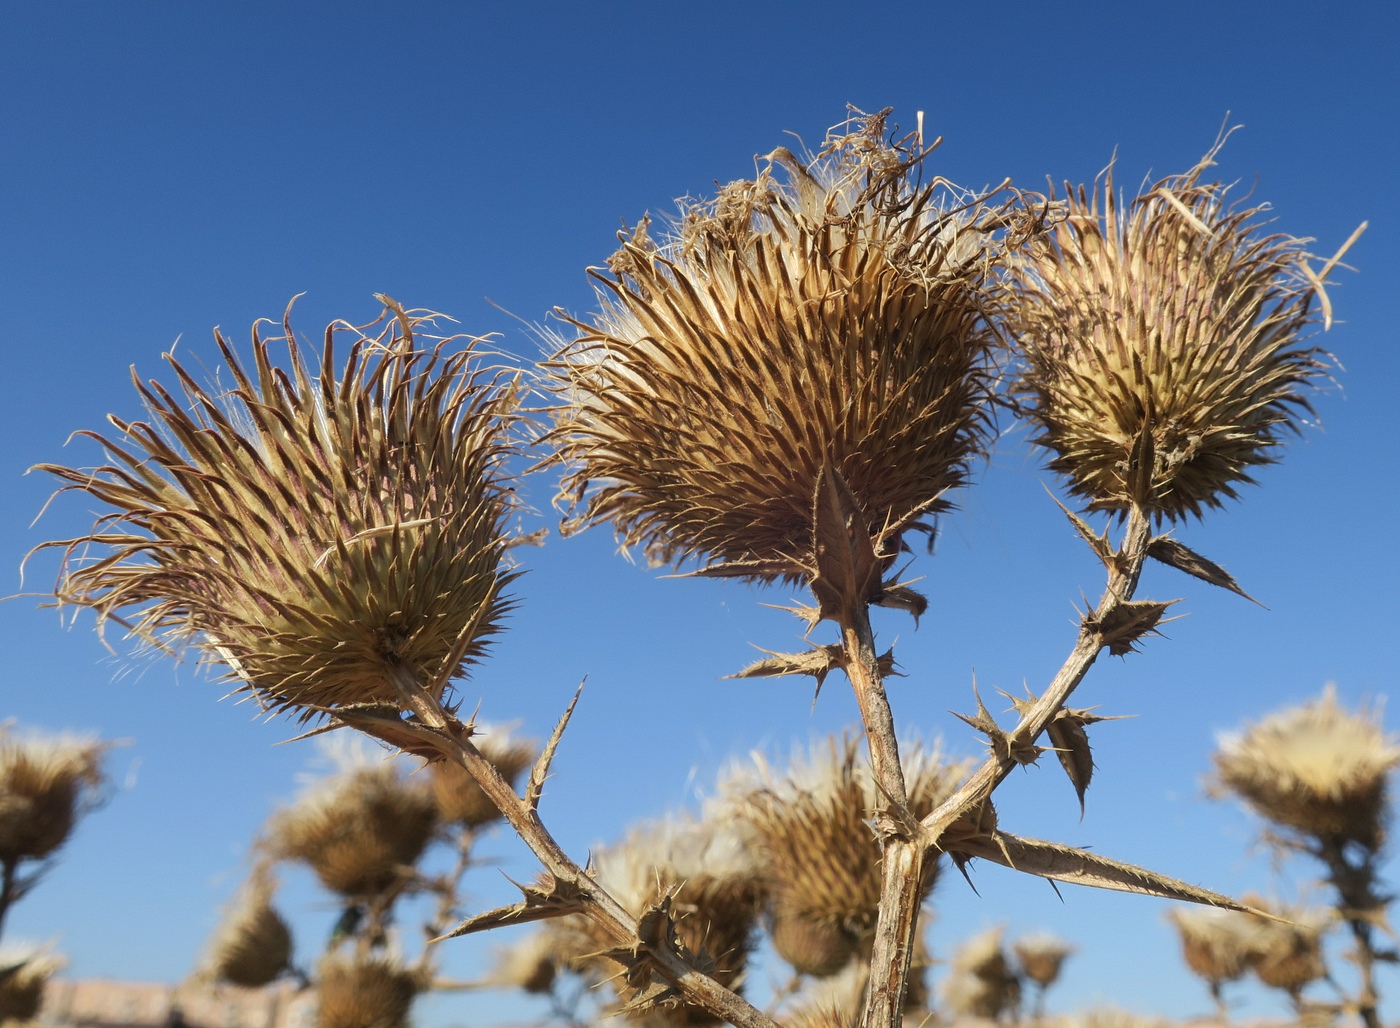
x,y
253,944
826,312
460,800
24,971
980,982
1288,952
364,992
821,858
1218,945
46,784
715,889
532,964
1164,344
308,530
1041,956
1316,769
360,831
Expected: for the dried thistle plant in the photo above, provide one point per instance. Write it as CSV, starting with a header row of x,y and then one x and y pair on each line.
x,y
981,982
252,945
1288,951
823,861
1040,958
1165,344
360,831
1218,946
313,531
459,798
364,992
24,972
828,312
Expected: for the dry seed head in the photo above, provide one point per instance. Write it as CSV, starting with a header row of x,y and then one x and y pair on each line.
x,y
1163,344
820,854
253,944
980,982
46,783
1317,769
827,311
1288,956
308,530
1218,945
531,964
360,831
22,990
460,800
364,992
1041,957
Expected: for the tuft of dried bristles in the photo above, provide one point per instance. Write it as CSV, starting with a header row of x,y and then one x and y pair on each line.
x,y
1164,343
829,311
360,831
820,854
253,945
364,992
308,529
46,783
459,799
1317,769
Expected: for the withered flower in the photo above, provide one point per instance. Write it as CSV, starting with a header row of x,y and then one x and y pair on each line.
x,y
1218,945
46,784
1317,769
24,972
1165,344
826,313
308,529
364,992
360,831
252,945
1041,956
980,982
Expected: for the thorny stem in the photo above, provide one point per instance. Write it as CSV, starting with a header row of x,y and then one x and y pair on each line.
x,y
601,908
905,851
1355,888
9,888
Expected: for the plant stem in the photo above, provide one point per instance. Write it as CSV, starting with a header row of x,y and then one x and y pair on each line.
x,y
9,881
447,896
601,908
1355,885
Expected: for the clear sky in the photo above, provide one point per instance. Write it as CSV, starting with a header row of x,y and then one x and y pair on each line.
x,y
169,167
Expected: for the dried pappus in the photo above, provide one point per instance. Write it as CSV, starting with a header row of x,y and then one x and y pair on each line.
x,y
821,857
1164,344
253,945
311,531
364,992
460,800
46,783
1317,769
829,312
359,831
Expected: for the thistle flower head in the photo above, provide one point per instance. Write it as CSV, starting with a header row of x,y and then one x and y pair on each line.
x,y
46,784
1316,769
1041,956
364,992
1218,945
358,831
980,982
1288,952
24,971
1164,344
821,858
827,312
252,945
308,529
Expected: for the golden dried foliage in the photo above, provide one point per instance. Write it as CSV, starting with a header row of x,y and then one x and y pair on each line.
x,y
1164,344
821,858
459,799
364,992
308,529
46,784
1317,769
826,312
252,945
360,831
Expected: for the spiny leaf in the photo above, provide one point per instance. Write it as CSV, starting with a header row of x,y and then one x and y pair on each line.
x,y
1081,867
763,569
1102,548
901,597
984,723
1167,550
550,897
818,662
540,771
1127,623
847,569
1071,742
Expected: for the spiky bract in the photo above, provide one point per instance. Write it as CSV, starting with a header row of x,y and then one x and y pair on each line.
x,y
308,529
252,945
820,855
825,312
1163,344
460,800
360,831
364,992
1317,769
46,784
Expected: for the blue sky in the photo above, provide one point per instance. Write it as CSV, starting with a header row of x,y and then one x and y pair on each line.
x,y
170,167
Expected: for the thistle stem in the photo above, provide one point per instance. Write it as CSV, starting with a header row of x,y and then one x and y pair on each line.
x,y
1355,889
9,888
602,908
